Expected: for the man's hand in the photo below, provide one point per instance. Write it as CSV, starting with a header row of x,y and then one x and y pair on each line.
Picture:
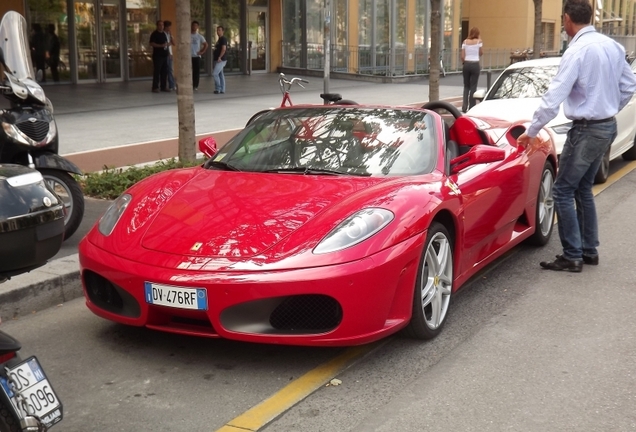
x,y
524,140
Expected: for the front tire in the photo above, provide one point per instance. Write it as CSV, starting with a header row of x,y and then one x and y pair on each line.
x,y
433,286
71,194
603,171
544,211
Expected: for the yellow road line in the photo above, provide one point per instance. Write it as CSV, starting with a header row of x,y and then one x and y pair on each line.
x,y
257,417
615,177
263,413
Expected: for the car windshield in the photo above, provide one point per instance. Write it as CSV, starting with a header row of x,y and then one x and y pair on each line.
x,y
333,141
527,82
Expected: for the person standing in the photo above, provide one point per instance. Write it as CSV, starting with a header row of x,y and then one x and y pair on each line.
x,y
595,82
54,52
159,44
39,50
220,60
472,50
167,26
198,46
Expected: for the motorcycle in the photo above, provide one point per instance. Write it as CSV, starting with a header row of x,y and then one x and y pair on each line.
x,y
31,232
29,133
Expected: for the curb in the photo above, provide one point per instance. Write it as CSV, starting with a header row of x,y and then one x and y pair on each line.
x,y
55,283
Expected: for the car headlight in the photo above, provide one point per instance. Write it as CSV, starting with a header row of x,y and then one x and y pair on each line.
x,y
355,229
113,214
562,129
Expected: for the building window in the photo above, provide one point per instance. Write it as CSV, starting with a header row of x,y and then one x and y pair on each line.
x,y
315,35
140,23
547,36
227,13
292,33
49,17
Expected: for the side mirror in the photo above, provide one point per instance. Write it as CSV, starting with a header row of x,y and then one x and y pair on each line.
x,y
207,146
479,95
478,154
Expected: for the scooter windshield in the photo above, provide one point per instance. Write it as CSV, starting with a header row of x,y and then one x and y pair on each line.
x,y
14,41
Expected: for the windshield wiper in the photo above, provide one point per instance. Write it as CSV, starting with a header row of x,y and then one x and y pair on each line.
x,y
222,165
311,170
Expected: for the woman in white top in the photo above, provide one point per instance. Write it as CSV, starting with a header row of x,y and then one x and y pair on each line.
x,y
471,52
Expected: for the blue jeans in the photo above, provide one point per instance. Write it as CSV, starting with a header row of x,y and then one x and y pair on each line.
x,y
219,77
580,160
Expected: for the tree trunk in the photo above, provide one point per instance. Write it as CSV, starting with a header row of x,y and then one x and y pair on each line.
x,y
183,76
434,54
538,13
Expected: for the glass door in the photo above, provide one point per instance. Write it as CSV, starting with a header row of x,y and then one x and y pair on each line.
x,y
257,33
110,40
98,40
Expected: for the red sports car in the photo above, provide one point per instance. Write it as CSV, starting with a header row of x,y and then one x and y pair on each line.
x,y
321,225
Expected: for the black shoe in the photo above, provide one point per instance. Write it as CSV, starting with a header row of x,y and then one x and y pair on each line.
x,y
561,263
590,260
216,92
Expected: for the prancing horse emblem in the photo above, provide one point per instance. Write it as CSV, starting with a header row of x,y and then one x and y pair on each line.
x,y
196,246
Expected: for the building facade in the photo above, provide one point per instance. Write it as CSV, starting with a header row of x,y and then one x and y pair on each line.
x,y
107,40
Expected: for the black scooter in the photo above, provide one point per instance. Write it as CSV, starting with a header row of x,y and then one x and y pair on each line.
x,y
31,232
28,132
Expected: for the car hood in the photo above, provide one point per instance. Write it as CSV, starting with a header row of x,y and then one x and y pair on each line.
x,y
513,110
240,215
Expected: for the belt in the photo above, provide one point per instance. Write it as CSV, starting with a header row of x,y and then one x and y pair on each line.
x,y
585,122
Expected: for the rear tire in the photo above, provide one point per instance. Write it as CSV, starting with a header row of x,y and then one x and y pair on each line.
x,y
433,286
630,154
603,171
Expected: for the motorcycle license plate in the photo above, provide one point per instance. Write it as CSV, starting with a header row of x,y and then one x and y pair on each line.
x,y
39,397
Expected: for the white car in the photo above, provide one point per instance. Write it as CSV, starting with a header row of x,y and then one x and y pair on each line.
x,y
517,92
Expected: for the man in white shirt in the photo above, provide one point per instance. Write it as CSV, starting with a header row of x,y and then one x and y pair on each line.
x,y
198,46
595,82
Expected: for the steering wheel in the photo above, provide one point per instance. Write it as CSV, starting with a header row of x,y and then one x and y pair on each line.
x,y
435,105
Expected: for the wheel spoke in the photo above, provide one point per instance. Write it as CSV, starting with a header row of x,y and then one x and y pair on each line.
x,y
436,310
428,292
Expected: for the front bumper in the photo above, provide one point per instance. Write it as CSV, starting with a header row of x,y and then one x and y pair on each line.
x,y
346,304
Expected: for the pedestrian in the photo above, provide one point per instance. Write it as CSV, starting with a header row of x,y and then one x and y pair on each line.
x,y
54,52
39,51
160,45
167,26
472,50
220,59
198,46
595,82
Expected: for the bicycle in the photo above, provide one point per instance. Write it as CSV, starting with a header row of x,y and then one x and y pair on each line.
x,y
285,88
442,71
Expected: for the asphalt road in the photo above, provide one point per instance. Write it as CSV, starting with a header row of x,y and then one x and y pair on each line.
x,y
523,350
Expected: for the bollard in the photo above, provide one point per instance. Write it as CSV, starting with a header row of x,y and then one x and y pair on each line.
x,y
488,79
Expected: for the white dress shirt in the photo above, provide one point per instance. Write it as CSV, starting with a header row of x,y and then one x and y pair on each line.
x,y
593,79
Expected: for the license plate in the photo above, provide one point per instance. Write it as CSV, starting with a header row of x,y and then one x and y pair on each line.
x,y
176,297
39,397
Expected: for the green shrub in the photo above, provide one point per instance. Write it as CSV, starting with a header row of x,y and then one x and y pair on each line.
x,y
112,182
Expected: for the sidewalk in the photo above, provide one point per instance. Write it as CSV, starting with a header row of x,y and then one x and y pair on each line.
x,y
119,124
94,118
